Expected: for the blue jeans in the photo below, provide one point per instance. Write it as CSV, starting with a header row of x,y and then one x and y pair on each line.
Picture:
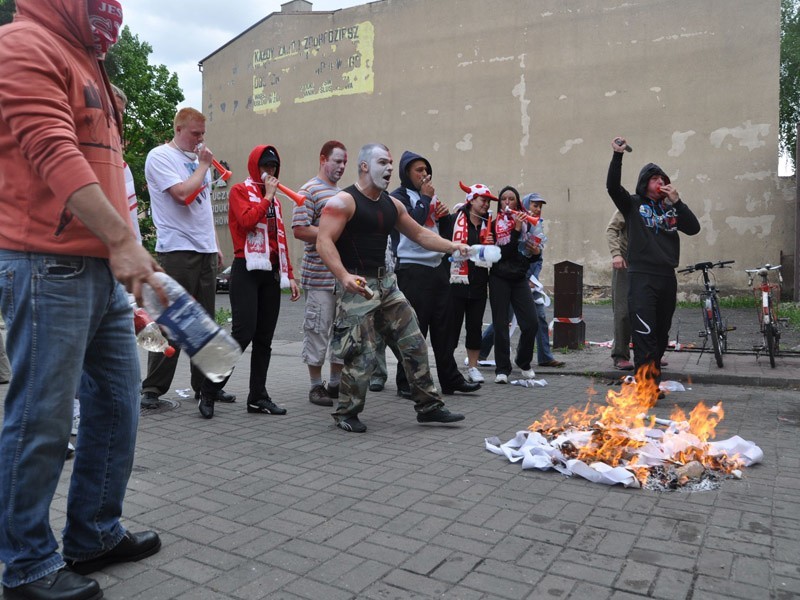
x,y
543,352
69,328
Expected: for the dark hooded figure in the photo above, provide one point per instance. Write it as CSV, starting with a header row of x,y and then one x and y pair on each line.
x,y
424,275
654,216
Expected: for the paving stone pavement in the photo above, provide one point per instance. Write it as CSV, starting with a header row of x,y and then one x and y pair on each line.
x,y
289,507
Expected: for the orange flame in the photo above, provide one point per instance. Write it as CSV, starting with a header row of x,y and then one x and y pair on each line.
x,y
616,428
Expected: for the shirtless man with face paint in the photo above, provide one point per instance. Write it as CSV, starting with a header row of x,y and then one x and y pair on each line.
x,y
351,241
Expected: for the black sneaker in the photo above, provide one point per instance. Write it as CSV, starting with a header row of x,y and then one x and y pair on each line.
x,y
265,406
351,424
333,391
439,415
376,386
149,400
206,406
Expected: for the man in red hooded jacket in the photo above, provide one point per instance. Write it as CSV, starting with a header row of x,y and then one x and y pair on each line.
x,y
260,268
66,244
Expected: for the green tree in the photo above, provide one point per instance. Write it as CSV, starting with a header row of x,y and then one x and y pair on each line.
x,y
789,77
7,8
153,96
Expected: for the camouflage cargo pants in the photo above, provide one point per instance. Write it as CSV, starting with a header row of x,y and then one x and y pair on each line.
x,y
359,325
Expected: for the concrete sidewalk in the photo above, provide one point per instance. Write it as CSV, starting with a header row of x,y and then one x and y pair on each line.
x,y
257,506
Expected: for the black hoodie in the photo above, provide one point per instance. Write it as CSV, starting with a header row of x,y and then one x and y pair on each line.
x,y
420,210
653,225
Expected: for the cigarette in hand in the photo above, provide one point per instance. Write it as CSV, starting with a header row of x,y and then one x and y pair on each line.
x,y
367,290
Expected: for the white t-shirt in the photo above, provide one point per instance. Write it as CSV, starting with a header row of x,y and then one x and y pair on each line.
x,y
178,226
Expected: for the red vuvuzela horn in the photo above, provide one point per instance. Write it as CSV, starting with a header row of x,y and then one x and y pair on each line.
x,y
292,195
529,218
224,173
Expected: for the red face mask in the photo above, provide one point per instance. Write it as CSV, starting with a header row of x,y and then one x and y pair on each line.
x,y
105,18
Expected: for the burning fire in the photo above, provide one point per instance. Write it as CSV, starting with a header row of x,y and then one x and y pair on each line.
x,y
622,433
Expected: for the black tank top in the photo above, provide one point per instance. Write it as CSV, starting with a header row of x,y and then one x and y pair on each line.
x,y
362,244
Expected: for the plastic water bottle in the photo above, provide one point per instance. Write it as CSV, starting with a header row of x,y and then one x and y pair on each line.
x,y
148,333
479,253
210,348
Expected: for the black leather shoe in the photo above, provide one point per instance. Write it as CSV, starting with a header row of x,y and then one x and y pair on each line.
x,y
206,406
404,393
439,415
223,396
465,387
60,585
149,400
376,387
132,547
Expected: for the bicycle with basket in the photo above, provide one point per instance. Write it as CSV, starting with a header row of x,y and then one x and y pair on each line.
x,y
715,329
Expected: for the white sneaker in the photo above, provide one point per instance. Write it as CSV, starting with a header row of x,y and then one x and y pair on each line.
x,y
474,375
528,374
466,361
501,378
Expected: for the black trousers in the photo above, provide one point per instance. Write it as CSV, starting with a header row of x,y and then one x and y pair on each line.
x,y
469,311
196,272
516,293
651,304
428,291
255,305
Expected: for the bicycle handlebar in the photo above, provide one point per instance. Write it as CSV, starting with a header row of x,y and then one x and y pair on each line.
x,y
703,266
765,268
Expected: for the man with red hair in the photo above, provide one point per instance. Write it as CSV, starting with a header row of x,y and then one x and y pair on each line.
x,y
317,281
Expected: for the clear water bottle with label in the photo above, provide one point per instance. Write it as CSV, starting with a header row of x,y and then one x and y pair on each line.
x,y
210,348
148,333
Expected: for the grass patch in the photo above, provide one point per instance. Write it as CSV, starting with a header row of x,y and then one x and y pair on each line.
x,y
565,350
791,311
597,301
724,302
222,316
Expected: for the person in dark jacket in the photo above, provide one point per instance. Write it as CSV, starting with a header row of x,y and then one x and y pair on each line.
x,y
508,285
654,216
423,275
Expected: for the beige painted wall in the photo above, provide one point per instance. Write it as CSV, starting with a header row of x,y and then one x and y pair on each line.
x,y
528,93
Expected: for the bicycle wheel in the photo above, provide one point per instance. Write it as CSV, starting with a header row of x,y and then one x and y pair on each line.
x,y
715,331
722,326
772,342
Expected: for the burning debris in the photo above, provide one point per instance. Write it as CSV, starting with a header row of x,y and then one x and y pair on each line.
x,y
619,442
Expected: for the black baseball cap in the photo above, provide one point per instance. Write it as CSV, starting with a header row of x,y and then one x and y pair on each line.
x,y
269,157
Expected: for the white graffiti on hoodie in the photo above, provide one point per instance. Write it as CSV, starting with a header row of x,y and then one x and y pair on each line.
x,y
667,219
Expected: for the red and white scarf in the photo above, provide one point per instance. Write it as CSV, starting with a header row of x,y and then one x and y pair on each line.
x,y
459,269
256,245
503,227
